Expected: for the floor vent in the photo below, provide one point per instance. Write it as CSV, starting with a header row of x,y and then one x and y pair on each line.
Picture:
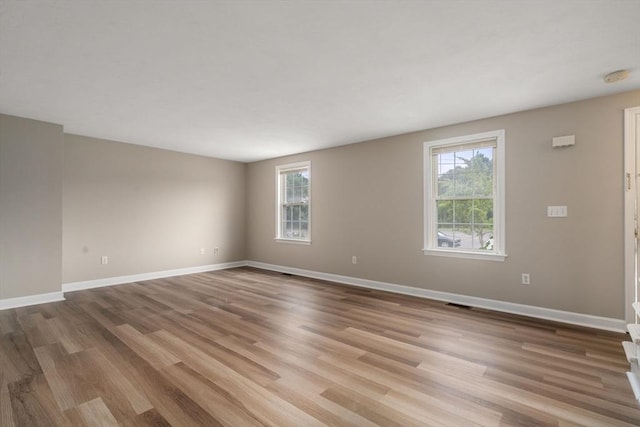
x,y
453,304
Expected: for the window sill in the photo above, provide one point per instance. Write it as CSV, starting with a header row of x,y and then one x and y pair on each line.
x,y
293,241
465,254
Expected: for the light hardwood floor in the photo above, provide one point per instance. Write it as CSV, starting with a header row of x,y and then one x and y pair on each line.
x,y
247,347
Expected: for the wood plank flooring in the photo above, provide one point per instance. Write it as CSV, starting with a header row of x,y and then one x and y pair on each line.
x,y
246,347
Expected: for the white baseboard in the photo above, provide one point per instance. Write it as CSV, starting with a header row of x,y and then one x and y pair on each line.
x,y
605,323
30,300
119,280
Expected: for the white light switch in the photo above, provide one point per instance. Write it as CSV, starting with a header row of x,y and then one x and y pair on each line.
x,y
557,211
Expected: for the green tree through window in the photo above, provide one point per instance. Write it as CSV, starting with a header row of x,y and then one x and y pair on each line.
x,y
465,196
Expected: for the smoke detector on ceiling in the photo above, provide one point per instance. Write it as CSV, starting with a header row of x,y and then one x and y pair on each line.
x,y
616,76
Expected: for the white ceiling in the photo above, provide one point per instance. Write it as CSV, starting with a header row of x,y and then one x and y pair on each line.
x,y
249,80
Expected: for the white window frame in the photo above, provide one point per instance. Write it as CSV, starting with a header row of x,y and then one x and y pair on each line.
x,y
430,214
281,170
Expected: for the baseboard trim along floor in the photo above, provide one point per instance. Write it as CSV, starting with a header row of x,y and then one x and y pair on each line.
x,y
604,323
7,303
110,281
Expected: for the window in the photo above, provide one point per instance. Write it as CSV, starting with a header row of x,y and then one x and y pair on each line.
x,y
293,182
464,196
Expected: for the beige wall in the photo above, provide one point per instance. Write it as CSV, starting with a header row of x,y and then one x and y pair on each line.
x,y
151,210
367,201
147,209
31,161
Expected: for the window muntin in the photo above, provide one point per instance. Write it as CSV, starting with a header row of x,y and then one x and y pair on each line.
x,y
464,195
294,202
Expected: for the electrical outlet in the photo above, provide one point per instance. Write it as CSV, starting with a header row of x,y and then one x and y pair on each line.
x,y
216,250
526,279
104,259
354,260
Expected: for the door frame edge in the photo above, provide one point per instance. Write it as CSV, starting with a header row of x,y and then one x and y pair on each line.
x,y
631,121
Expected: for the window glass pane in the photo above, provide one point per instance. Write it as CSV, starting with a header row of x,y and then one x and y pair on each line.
x,y
445,212
463,182
481,166
445,162
446,238
463,193
294,201
446,185
482,211
462,211
466,173
464,202
465,224
290,179
297,187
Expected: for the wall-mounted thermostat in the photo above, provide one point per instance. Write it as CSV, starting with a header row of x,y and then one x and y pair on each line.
x,y
563,141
